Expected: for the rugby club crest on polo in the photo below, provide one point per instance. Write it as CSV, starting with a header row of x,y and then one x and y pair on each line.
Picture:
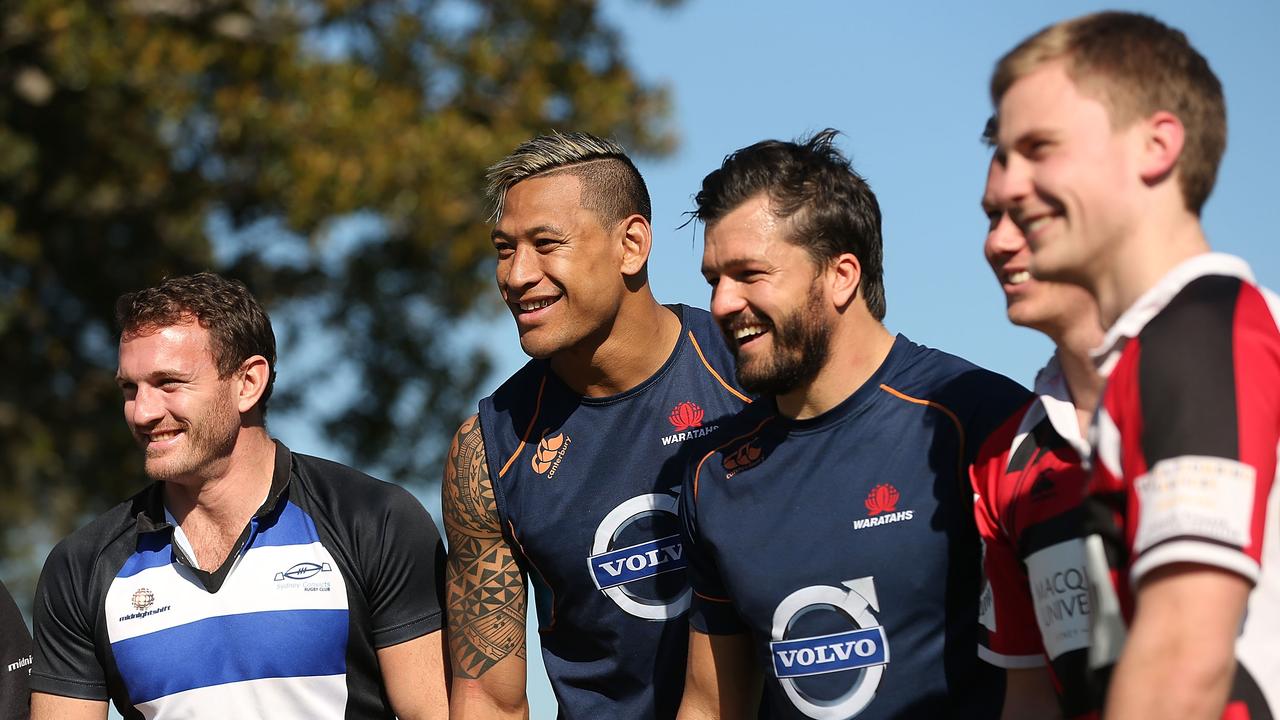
x,y
644,577
828,649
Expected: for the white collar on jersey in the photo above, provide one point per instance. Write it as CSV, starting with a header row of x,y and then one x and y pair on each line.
x,y
1151,302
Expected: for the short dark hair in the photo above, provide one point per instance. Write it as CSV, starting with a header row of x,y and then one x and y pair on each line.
x,y
809,182
238,326
612,187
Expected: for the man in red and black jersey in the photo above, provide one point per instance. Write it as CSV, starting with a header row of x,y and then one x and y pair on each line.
x,y
1028,484
1111,128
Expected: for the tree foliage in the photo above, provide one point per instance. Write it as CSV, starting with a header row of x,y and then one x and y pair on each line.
x,y
328,152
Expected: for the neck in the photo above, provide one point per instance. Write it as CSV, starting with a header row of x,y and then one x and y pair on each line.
x,y
1074,344
634,346
1142,258
859,346
235,487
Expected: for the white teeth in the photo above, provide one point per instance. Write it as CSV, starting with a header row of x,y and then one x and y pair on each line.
x,y
535,305
1019,277
748,331
162,436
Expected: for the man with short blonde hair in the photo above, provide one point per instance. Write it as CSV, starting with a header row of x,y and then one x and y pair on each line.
x,y
1110,131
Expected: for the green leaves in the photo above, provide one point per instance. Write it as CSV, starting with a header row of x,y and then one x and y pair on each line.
x,y
127,126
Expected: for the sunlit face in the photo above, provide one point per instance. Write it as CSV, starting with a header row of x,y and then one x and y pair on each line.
x,y
1070,179
559,269
1040,304
767,299
182,415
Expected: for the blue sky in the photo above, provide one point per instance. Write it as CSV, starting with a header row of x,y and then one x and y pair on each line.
x,y
906,84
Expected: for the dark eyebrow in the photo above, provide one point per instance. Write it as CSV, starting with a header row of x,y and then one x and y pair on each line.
x,y
161,373
528,232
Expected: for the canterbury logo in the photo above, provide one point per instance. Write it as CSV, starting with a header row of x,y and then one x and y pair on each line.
x,y
546,459
746,456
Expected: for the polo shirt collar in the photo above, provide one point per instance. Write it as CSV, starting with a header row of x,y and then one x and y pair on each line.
x,y
1151,302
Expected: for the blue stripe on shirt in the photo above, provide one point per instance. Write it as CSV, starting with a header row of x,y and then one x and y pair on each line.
x,y
233,648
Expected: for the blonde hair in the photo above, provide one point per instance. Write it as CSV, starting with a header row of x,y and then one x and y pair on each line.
x,y
1136,66
611,185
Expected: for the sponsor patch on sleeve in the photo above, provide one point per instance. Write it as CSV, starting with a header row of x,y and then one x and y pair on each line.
x,y
1060,590
1195,496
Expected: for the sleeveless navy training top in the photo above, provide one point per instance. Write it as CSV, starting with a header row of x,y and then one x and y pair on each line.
x,y
587,490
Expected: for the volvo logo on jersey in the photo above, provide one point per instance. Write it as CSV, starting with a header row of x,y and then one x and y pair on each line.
x,y
828,649
637,559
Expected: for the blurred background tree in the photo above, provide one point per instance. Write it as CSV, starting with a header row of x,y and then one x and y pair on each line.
x,y
330,153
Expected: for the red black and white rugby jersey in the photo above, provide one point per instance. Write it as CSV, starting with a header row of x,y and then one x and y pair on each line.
x,y
1028,484
1184,467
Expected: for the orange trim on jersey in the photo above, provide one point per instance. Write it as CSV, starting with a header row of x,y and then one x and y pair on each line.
x,y
720,447
550,589
713,372
712,599
537,407
941,408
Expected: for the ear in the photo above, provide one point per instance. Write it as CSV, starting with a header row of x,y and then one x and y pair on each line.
x,y
637,241
1163,137
253,376
844,275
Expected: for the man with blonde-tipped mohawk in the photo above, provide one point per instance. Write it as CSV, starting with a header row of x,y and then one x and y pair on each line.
x,y
568,474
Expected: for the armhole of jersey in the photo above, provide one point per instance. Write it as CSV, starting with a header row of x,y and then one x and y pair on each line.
x,y
955,420
528,431
531,571
706,364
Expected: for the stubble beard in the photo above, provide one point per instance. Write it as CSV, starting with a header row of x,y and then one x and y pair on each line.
x,y
207,438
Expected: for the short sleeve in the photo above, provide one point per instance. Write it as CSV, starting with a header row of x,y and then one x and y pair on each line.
x,y
710,609
1012,638
405,579
64,660
1208,387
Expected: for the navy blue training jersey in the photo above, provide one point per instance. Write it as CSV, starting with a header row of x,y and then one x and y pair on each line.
x,y
587,491
845,544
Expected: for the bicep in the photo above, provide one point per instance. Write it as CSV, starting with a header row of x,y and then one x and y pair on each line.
x,y
413,674
485,588
56,707
722,680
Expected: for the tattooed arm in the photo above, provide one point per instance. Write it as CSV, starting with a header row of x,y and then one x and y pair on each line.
x,y
485,590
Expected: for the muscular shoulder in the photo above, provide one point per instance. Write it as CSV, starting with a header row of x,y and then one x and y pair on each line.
x,y
514,389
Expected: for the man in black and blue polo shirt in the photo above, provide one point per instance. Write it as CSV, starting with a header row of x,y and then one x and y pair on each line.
x,y
247,581
831,542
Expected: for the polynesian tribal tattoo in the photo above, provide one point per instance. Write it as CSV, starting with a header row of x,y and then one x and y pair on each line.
x,y
486,595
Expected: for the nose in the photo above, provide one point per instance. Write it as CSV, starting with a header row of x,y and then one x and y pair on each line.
x,y
143,407
1004,238
726,299
521,270
1014,181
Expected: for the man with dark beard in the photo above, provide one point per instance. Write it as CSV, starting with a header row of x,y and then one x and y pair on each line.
x,y
831,542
